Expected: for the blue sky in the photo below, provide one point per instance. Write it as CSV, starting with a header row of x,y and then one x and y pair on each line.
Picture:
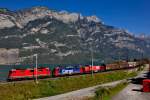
x,y
133,15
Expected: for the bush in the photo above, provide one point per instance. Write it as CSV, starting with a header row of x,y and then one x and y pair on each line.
x,y
106,93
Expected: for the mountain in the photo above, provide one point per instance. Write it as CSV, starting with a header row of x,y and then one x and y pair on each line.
x,y
63,37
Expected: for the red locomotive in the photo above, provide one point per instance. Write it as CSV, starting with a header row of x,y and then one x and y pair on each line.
x,y
98,68
29,73
58,71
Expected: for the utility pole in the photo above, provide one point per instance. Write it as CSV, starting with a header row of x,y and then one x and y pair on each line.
x,y
119,52
127,56
36,69
119,58
149,64
92,57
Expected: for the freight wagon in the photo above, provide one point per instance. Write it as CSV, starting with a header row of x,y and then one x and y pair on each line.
x,y
117,65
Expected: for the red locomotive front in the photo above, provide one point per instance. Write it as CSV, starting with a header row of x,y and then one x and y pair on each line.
x,y
29,73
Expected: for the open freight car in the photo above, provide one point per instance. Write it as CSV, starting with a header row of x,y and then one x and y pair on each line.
x,y
117,65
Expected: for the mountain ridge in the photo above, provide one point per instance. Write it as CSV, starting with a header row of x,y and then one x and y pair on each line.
x,y
63,37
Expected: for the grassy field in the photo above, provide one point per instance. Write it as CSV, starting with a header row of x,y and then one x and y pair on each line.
x,y
30,90
106,93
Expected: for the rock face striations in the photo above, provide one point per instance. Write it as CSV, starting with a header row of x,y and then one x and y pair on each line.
x,y
63,37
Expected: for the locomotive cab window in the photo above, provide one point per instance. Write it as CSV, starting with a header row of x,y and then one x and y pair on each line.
x,y
40,70
31,70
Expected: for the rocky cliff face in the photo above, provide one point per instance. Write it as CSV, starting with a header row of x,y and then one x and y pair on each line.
x,y
8,56
62,37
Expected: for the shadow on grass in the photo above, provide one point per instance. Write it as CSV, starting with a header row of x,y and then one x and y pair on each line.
x,y
138,90
147,75
139,80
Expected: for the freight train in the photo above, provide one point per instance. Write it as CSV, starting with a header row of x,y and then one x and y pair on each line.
x,y
42,72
